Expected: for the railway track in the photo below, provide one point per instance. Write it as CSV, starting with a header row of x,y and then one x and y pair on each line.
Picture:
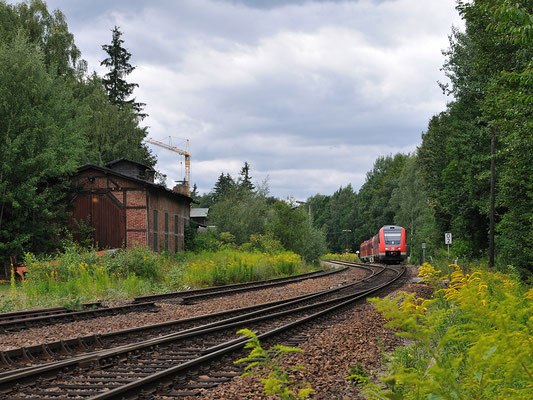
x,y
15,321
62,349
185,362
190,296
24,319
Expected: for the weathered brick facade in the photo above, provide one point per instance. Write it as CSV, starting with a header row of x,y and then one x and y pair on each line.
x,y
126,210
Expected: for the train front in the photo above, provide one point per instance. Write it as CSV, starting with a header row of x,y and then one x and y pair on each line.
x,y
392,245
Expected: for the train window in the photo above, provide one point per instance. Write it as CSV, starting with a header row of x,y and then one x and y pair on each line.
x,y
393,238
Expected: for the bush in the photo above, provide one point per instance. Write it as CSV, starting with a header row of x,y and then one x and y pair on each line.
x,y
472,340
266,243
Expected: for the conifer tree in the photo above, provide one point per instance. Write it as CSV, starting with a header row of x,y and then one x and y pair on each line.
x,y
245,181
114,81
223,186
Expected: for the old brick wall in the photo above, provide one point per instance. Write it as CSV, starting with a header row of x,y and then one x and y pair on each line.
x,y
137,203
167,236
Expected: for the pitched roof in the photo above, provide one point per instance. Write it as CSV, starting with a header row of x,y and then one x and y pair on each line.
x,y
147,167
143,182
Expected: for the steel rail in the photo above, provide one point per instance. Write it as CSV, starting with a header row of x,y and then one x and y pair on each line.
x,y
131,390
110,354
74,315
197,294
89,342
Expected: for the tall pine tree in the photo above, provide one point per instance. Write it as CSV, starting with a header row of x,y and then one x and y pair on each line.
x,y
114,81
245,181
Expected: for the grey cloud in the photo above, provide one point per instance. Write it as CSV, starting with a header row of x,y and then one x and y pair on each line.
x,y
289,86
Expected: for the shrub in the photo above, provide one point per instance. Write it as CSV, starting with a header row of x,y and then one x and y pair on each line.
x,y
279,382
471,341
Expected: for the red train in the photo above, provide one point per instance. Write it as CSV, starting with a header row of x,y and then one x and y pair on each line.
x,y
388,246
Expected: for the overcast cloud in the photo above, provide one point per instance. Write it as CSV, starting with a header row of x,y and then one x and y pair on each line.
x,y
309,93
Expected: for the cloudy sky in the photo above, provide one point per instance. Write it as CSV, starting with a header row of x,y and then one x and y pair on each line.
x,y
310,93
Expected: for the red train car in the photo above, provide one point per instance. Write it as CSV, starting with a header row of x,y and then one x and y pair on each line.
x,y
388,246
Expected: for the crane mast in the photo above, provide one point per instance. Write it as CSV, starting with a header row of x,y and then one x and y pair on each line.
x,y
185,153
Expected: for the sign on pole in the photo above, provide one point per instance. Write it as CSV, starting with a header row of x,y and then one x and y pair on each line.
x,y
448,240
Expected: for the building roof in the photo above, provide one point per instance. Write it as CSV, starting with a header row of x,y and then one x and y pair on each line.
x,y
199,212
143,182
111,163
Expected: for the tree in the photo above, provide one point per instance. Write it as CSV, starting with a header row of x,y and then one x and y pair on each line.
x,y
374,196
40,145
223,186
47,30
292,227
412,210
113,132
114,81
490,69
241,213
245,181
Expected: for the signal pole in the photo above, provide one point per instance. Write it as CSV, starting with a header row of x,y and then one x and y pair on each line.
x,y
346,237
492,190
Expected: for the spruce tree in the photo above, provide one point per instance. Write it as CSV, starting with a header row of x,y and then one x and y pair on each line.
x,y
114,81
245,181
223,186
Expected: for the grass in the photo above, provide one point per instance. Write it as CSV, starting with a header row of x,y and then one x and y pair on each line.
x,y
77,275
341,257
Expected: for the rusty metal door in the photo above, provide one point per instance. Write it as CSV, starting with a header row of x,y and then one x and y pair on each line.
x,y
107,218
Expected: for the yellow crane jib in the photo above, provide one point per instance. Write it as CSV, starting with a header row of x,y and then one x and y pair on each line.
x,y
185,153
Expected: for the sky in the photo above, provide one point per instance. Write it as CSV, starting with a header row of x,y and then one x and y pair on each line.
x,y
309,93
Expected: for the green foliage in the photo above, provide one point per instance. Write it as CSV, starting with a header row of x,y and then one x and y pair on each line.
x,y
279,382
293,228
53,118
333,214
341,257
240,212
39,147
232,266
117,61
375,194
85,231
412,211
490,69
358,375
266,243
471,341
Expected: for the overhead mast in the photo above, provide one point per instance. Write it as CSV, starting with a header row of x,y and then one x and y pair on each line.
x,y
185,153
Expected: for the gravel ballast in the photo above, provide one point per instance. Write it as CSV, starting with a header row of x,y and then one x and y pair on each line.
x,y
169,312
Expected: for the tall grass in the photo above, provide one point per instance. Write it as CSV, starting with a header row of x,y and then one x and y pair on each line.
x,y
232,266
77,275
341,257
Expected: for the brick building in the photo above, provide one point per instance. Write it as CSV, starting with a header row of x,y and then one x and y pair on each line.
x,y
128,208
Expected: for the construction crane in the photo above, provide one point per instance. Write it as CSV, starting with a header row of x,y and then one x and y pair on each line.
x,y
185,153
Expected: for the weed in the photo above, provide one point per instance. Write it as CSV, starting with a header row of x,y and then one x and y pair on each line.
x,y
279,381
471,341
358,375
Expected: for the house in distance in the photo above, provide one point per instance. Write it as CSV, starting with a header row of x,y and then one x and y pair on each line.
x,y
127,208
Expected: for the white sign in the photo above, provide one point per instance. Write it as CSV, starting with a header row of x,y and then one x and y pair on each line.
x,y
423,245
448,238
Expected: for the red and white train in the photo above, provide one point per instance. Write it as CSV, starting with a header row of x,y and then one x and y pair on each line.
x,y
387,247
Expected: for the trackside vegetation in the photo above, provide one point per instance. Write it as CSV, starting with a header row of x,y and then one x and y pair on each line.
x,y
79,275
471,340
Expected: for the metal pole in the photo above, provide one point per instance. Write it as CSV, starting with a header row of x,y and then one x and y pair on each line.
x,y
492,195
346,238
492,190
